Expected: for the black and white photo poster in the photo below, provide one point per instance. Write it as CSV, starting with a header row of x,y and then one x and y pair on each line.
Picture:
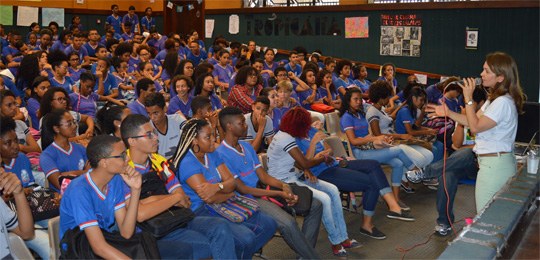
x,y
401,35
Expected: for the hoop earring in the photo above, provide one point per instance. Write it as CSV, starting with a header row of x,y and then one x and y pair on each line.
x,y
198,148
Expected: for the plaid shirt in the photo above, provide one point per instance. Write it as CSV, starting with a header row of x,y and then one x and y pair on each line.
x,y
241,97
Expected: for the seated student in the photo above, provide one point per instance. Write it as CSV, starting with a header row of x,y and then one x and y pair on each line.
x,y
308,96
146,70
169,127
388,71
355,125
33,43
245,91
74,69
110,117
205,87
17,163
213,58
144,87
283,153
123,51
459,165
21,222
409,121
169,66
77,47
293,65
57,98
85,102
258,65
96,202
145,55
58,77
62,42
106,84
327,90
60,157
260,129
204,237
92,44
269,65
195,53
128,35
181,102
273,111
360,74
223,71
284,90
40,85
9,108
234,152
206,179
156,40
342,82
125,82
101,53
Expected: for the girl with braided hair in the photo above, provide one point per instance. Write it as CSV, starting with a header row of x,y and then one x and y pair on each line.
x,y
206,179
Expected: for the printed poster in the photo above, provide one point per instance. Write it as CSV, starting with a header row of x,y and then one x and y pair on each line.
x,y
401,35
356,27
27,15
6,14
52,14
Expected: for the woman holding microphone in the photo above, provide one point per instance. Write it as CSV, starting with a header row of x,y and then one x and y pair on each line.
x,y
495,124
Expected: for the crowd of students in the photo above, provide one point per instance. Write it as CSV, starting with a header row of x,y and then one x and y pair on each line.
x,y
87,116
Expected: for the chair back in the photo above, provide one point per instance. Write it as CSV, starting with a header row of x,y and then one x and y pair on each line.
x,y
18,247
54,237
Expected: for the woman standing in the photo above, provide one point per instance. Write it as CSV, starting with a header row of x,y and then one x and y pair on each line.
x,y
495,125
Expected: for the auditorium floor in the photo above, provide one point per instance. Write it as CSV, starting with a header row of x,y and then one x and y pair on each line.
x,y
400,234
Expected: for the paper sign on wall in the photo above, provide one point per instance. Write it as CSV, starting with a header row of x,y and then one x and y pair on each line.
x,y
27,15
6,14
234,24
52,14
208,28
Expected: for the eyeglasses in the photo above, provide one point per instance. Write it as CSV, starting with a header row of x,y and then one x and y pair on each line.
x,y
123,156
60,99
148,135
70,123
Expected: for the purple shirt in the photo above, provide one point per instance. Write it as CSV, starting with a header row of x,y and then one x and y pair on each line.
x,y
137,107
134,20
176,104
75,74
84,105
224,74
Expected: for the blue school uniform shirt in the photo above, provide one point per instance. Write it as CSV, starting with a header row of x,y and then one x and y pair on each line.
x,y
55,159
303,144
137,107
302,96
364,86
322,93
347,83
115,22
216,102
176,104
277,114
91,50
358,123
161,56
297,70
243,164
58,45
403,117
82,52
75,75
147,24
109,83
433,94
134,20
128,36
197,59
8,50
212,61
85,205
22,168
84,105
15,70
224,74
190,166
32,105
67,84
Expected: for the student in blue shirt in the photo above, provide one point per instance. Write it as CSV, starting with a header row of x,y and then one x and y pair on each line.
x,y
360,74
206,179
147,22
327,90
196,55
181,102
92,44
96,202
77,47
85,102
205,87
343,82
106,84
242,160
10,51
59,77
132,18
293,65
63,41
114,19
143,87
205,237
60,157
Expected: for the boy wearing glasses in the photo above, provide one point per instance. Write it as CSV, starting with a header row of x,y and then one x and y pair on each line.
x,y
204,237
97,202
77,47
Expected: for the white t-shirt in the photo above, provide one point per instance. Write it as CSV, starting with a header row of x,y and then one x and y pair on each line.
x,y
280,162
21,129
168,141
251,133
501,137
385,121
8,222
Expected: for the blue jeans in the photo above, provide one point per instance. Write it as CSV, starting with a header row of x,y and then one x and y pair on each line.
x,y
438,151
420,156
302,242
332,216
360,175
393,156
459,164
250,235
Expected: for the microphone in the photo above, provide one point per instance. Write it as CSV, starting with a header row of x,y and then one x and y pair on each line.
x,y
477,82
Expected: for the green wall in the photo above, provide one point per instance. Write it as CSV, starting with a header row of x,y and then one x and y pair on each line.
x,y
514,31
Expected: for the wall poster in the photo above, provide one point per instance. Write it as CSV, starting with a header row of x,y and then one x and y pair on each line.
x,y
401,35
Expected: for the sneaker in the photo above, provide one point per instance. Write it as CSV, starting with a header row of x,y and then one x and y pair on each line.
x,y
442,230
407,189
350,243
403,206
405,216
375,233
432,184
415,176
339,251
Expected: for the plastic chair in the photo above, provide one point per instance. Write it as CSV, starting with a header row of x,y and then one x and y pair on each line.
x,y
333,128
18,247
54,239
